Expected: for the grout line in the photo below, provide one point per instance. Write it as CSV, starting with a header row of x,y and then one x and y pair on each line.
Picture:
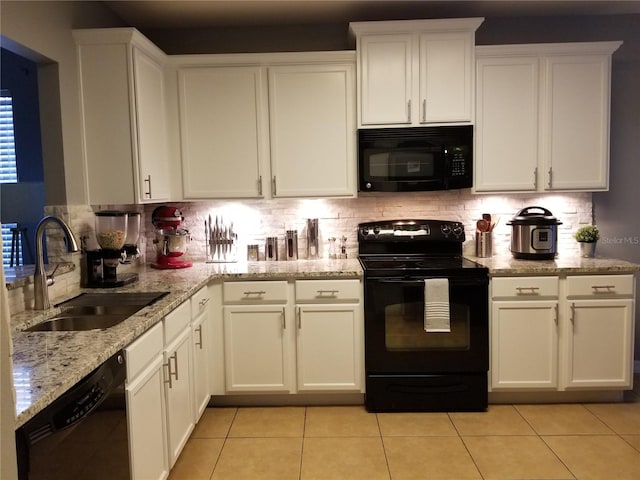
x,y
384,450
464,444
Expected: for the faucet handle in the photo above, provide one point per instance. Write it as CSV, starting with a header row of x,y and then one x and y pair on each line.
x,y
50,280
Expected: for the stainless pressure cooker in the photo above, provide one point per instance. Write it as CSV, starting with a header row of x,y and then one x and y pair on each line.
x,y
534,234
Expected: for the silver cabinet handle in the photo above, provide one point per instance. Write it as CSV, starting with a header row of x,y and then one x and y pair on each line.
x,y
148,182
535,178
260,185
203,302
599,288
284,319
254,292
327,293
409,110
527,290
199,342
168,376
175,362
550,176
556,313
273,185
424,109
299,319
572,317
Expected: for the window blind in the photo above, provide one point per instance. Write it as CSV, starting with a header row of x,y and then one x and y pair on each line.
x,y
8,167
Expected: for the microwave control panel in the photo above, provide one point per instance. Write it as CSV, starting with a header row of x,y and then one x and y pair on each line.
x,y
457,158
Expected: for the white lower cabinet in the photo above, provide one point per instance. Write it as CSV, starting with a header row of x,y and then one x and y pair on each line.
x,y
269,349
329,335
599,331
257,353
201,344
256,349
524,348
576,335
146,415
178,379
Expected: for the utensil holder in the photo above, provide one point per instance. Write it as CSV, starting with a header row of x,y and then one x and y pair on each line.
x,y
484,244
291,245
253,253
312,238
271,249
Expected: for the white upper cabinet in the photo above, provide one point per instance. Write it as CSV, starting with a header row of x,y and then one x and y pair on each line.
x,y
267,125
542,117
415,72
124,127
222,131
312,130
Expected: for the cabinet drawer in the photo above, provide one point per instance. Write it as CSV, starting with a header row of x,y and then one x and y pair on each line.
x,y
199,302
328,290
254,292
140,353
524,287
176,321
599,285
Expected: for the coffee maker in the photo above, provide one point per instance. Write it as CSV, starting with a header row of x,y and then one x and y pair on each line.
x,y
171,239
100,266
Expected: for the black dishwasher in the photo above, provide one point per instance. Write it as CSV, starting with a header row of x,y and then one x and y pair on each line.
x,y
82,434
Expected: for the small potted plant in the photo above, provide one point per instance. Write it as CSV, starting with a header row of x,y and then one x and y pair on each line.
x,y
587,236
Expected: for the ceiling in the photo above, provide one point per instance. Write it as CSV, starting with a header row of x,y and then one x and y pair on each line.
x,y
212,13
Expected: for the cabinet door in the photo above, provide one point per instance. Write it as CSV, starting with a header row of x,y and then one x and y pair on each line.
x,y
330,354
446,77
312,130
180,418
599,342
222,131
200,339
524,344
256,349
147,425
506,139
576,132
151,129
386,79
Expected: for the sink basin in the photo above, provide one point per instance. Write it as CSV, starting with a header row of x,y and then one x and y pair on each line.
x,y
63,323
96,311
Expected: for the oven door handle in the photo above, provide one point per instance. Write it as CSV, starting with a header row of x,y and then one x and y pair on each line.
x,y
420,281
400,281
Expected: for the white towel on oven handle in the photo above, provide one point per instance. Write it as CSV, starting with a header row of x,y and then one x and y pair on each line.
x,y
436,305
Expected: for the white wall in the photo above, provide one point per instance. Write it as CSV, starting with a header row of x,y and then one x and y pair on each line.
x,y
42,31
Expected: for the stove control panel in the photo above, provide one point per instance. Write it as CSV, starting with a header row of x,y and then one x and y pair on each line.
x,y
411,230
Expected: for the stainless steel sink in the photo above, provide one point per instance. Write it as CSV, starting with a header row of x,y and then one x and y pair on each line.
x,y
96,311
63,323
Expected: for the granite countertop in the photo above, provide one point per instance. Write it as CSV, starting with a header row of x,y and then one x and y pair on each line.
x,y
506,265
47,364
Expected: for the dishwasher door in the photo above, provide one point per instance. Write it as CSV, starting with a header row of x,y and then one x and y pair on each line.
x,y
82,434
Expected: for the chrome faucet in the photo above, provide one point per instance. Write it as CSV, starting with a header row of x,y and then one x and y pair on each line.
x,y
41,280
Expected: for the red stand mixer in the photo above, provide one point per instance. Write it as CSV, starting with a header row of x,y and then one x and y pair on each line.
x,y
171,241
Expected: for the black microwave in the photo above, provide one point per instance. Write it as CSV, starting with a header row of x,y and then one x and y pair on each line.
x,y
415,159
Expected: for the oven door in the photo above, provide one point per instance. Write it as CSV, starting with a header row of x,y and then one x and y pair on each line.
x,y
395,338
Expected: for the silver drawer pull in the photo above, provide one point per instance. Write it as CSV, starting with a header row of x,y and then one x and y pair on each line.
x,y
600,288
329,293
254,292
527,290
203,302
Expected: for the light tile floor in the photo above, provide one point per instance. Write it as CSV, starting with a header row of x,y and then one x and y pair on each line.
x,y
528,442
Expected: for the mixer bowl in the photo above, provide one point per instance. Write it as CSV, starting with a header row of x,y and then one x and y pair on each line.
x,y
172,242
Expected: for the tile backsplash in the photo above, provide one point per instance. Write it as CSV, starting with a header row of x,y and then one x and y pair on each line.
x,y
254,220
